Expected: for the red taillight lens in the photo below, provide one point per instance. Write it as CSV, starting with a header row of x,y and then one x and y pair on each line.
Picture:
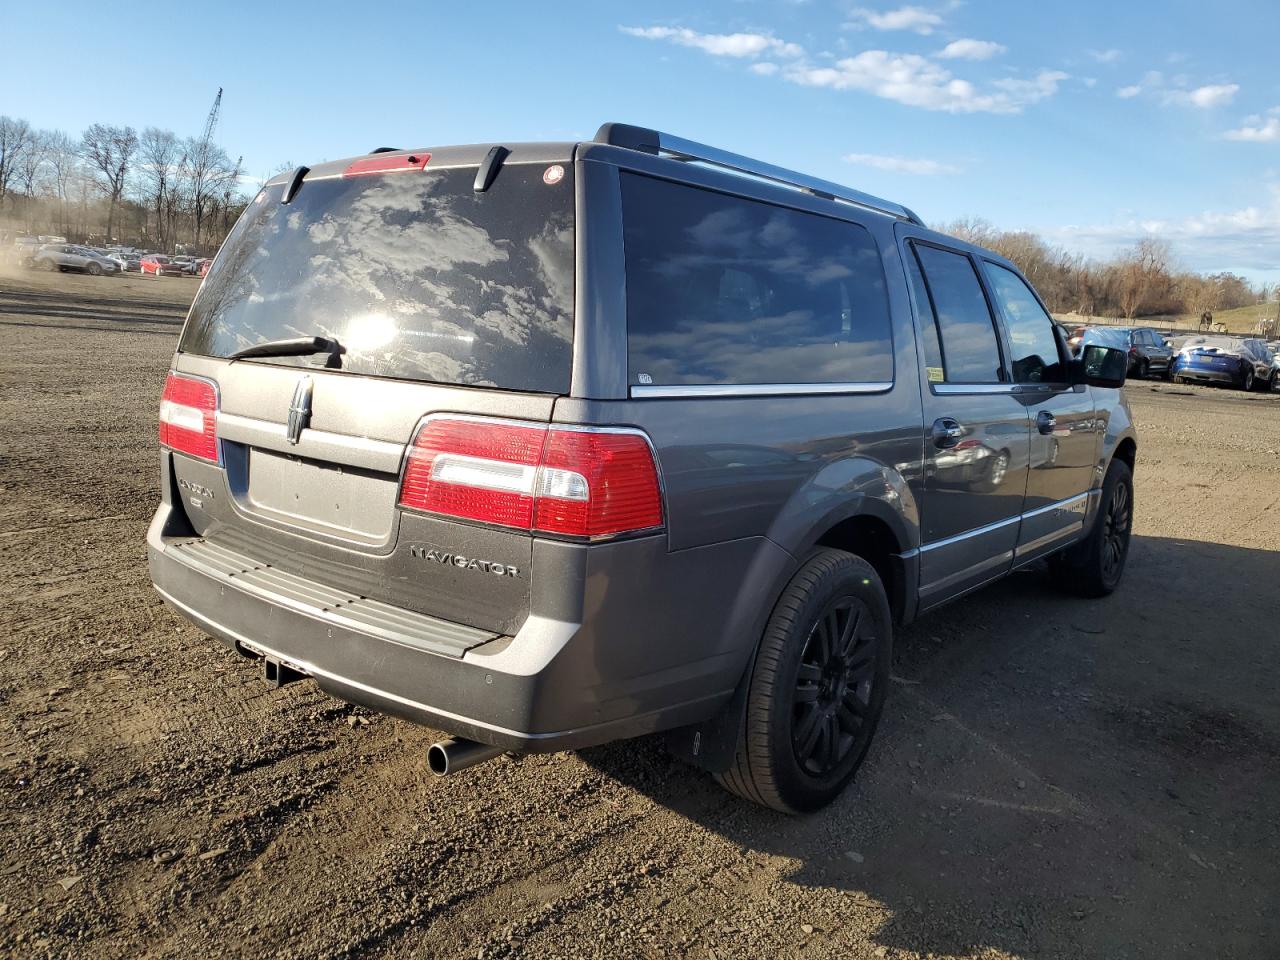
x,y
577,482
596,484
479,472
188,417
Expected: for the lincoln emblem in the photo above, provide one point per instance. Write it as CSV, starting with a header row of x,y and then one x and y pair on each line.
x,y
300,410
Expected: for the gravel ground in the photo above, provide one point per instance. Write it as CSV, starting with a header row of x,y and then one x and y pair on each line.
x,y
1053,778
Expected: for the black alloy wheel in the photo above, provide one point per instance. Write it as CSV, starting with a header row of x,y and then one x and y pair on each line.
x,y
832,696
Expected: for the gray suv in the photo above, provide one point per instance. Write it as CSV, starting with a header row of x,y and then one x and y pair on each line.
x,y
551,444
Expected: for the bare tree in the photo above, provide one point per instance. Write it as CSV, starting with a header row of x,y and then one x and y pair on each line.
x,y
160,158
15,141
63,167
1144,275
206,171
109,152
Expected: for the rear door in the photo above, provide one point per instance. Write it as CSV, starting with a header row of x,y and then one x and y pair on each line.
x,y
1064,430
976,429
445,300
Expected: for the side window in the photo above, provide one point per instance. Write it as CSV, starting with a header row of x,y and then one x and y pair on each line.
x,y
723,290
928,321
1035,357
970,350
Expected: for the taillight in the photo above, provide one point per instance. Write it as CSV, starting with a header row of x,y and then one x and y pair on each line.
x,y
188,417
579,481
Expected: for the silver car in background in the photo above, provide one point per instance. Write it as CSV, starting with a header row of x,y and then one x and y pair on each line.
x,y
69,256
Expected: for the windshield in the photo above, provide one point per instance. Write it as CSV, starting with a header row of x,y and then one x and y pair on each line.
x,y
416,275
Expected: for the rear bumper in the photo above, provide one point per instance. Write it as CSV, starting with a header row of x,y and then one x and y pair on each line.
x,y
555,685
1208,375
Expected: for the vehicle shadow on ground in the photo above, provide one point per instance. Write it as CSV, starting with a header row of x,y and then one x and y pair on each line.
x,y
1053,776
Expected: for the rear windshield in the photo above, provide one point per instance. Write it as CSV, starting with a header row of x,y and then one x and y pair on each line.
x,y
418,276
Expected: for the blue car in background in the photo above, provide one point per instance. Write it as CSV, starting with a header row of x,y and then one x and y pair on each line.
x,y
1246,364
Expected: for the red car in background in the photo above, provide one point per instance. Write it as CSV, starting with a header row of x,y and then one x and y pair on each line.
x,y
202,266
161,266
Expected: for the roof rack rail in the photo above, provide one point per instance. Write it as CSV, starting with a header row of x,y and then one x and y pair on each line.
x,y
678,148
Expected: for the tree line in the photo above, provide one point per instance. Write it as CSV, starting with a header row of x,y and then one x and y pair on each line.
x,y
157,190
112,184
1140,281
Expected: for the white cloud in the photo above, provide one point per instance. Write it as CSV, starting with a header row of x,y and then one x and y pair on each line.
x,y
1257,129
912,165
1105,56
718,44
971,50
916,19
919,82
906,78
1177,91
1242,240
1207,97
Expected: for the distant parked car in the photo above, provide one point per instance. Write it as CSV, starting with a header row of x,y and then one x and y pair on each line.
x,y
1242,363
158,265
188,265
66,256
1149,353
116,258
132,262
202,267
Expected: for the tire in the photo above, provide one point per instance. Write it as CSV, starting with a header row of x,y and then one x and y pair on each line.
x,y
94,270
1246,382
1144,369
1093,568
47,265
813,704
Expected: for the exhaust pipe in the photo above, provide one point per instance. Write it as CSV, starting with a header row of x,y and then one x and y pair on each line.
x,y
452,755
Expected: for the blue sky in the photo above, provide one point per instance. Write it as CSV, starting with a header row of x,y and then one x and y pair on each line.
x,y
1089,122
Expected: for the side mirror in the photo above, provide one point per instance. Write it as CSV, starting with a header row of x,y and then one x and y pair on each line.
x,y
1100,366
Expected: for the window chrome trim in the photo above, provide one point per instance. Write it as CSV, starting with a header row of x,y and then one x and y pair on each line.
x,y
954,389
756,389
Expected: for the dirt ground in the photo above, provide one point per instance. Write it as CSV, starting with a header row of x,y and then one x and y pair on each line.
x,y
1053,777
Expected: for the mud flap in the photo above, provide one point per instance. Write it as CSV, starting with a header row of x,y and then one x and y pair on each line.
x,y
711,744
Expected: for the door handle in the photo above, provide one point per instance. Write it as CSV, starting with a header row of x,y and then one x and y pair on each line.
x,y
1046,422
946,433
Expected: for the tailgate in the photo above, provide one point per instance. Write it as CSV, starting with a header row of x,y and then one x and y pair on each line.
x,y
324,508
441,298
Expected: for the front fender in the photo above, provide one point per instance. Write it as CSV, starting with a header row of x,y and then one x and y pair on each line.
x,y
1117,428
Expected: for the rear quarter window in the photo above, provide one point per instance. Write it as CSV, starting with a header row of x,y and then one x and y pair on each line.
x,y
727,291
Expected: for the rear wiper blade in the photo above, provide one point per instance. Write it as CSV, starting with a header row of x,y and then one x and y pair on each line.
x,y
293,347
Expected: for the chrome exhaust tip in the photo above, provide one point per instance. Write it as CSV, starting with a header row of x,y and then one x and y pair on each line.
x,y
452,755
